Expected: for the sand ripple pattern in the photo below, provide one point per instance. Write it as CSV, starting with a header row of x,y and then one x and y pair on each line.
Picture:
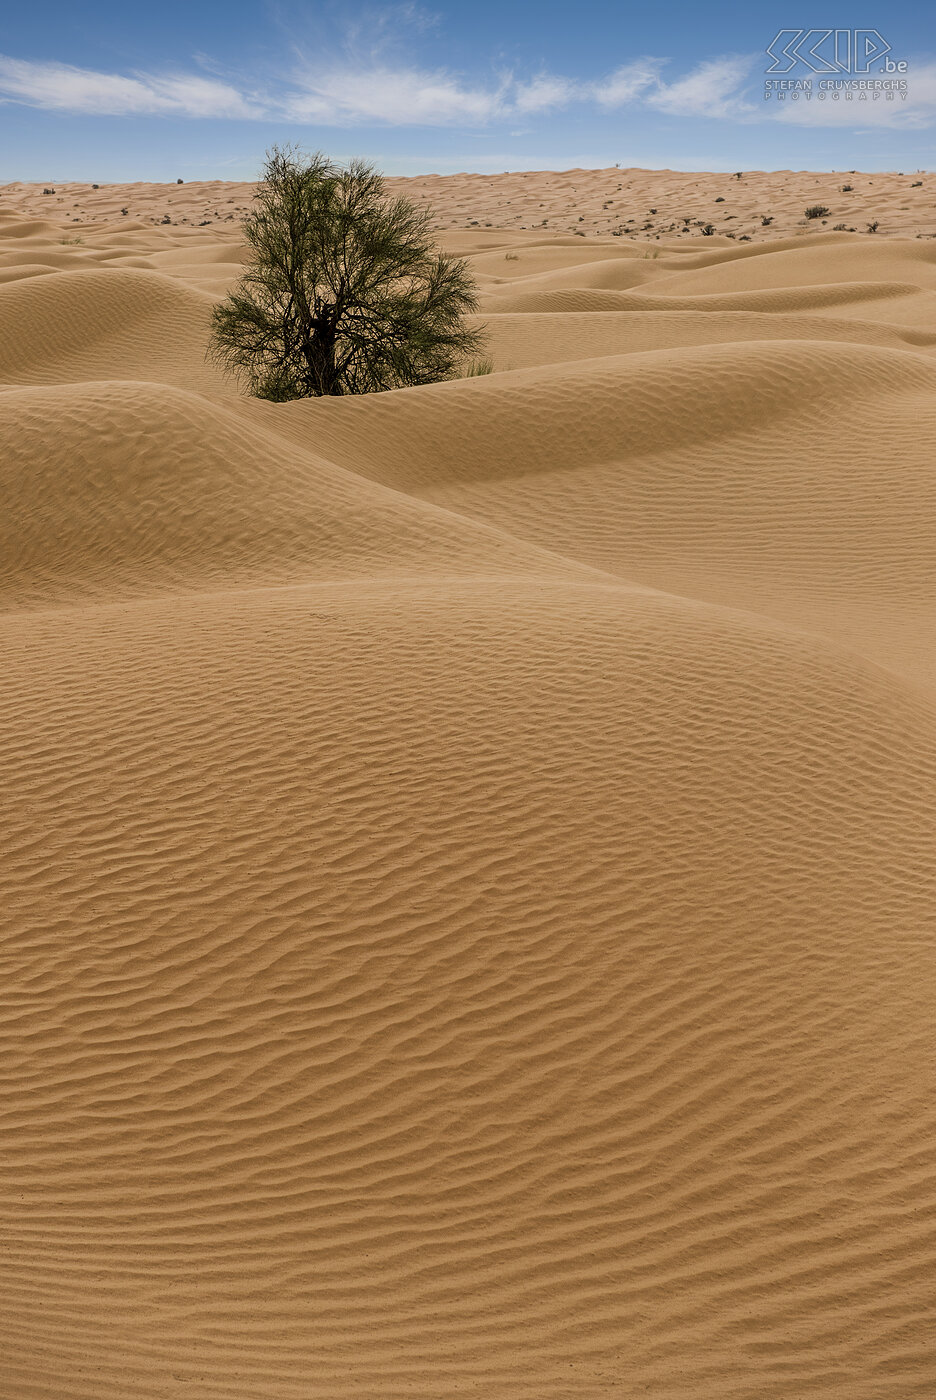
x,y
467,885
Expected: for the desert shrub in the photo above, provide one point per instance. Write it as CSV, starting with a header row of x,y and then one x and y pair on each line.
x,y
847,189
708,230
343,292
766,219
873,227
817,211
477,368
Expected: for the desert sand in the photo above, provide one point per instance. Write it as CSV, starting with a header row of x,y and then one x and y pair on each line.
x,y
470,853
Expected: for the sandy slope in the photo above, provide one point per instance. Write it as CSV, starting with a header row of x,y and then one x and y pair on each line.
x,y
468,869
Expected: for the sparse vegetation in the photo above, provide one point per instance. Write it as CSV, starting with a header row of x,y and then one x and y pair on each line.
x,y
48,190
847,189
817,211
708,230
344,292
874,226
477,368
766,219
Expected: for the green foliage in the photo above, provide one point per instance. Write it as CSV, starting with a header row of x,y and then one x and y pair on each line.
x,y
344,292
817,211
478,368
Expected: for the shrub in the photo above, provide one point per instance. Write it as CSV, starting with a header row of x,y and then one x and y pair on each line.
x,y
766,219
847,189
708,230
817,211
873,227
343,291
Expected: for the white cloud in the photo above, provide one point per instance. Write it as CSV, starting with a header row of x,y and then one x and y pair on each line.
x,y
915,112
388,96
380,93
710,90
60,87
627,83
543,93
713,89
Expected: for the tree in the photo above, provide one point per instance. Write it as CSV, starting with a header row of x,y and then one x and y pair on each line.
x,y
344,292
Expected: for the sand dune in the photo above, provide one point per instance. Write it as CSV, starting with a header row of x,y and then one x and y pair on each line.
x,y
752,205
468,877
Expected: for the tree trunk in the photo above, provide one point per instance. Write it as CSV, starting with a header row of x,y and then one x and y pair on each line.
x,y
319,352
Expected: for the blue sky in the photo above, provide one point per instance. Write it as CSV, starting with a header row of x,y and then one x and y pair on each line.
x,y
108,91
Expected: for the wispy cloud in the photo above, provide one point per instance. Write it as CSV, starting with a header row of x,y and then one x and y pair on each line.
x,y
391,96
916,112
543,93
713,89
60,87
627,83
374,91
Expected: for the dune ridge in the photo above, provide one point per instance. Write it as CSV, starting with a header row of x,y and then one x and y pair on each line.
x,y
467,887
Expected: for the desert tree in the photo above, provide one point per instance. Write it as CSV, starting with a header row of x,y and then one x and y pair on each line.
x,y
343,291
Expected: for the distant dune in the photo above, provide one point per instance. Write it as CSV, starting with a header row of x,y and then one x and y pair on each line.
x,y
470,853
750,206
